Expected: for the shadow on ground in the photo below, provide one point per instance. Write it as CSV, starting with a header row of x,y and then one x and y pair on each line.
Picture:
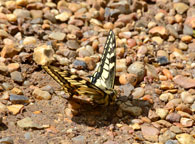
x,y
100,116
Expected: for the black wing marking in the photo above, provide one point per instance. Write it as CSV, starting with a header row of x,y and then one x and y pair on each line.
x,y
73,84
105,75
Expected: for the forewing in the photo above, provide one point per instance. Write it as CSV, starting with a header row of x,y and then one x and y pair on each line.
x,y
73,84
105,75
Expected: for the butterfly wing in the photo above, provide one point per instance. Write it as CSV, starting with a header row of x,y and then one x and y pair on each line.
x,y
105,75
73,84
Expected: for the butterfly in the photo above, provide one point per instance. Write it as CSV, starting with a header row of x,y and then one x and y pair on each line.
x,y
100,87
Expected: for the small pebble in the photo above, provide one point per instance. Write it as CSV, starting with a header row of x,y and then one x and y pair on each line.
x,y
173,117
7,140
138,69
18,99
17,76
187,97
162,113
42,95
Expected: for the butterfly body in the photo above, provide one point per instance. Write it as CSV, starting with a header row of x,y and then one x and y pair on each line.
x,y
100,87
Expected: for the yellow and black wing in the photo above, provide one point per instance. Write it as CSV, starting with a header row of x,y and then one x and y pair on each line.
x,y
100,88
75,85
105,75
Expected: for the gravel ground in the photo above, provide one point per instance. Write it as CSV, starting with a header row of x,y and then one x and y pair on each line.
x,y
155,71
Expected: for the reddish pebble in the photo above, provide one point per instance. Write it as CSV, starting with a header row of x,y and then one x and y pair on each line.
x,y
167,73
131,43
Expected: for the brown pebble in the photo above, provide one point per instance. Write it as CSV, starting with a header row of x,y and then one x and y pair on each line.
x,y
128,78
167,73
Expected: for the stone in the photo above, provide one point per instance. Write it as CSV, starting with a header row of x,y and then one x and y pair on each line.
x,y
62,60
167,73
27,122
126,78
164,123
11,17
184,82
183,46
3,108
90,63
173,117
72,44
41,95
122,6
159,30
131,43
162,113
187,97
166,96
9,51
151,24
167,85
158,40
138,69
151,72
142,51
187,30
7,140
16,91
126,18
78,64
96,22
180,7
152,115
15,109
18,99
84,52
21,2
166,136
185,138
149,132
134,110
21,13
36,14
121,65
183,107
120,52
3,69
76,22
138,92
29,40
108,25
3,33
43,54
17,76
74,6
7,86
126,35
190,22
186,38
159,16
175,129
13,67
79,139
186,122
172,30
57,36
63,16
162,60
126,89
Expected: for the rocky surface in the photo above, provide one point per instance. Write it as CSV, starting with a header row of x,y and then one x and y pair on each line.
x,y
155,71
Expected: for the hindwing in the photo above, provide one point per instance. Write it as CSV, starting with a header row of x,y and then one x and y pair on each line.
x,y
72,83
